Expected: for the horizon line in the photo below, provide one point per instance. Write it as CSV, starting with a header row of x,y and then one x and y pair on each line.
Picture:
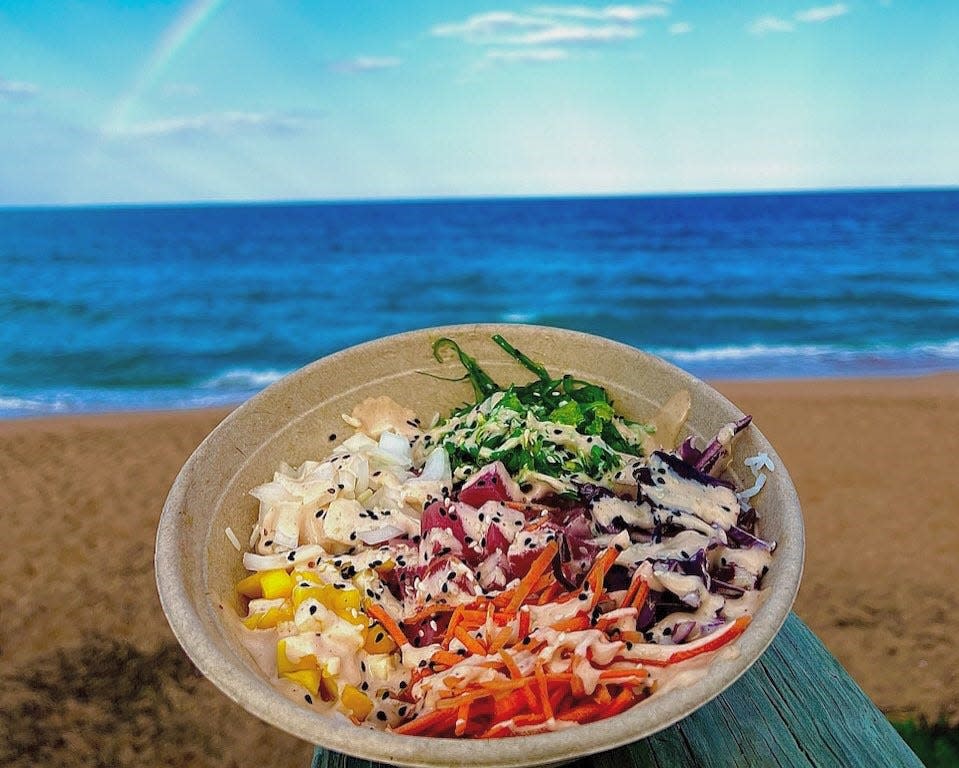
x,y
465,197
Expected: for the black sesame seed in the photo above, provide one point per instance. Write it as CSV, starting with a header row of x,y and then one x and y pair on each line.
x,y
364,686
403,684
583,596
332,436
313,609
379,637
381,715
309,699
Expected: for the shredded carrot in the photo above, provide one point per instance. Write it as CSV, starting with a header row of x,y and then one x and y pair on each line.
x,y
447,658
632,590
462,719
501,638
542,583
550,593
582,713
536,569
428,611
602,695
623,701
378,612
543,691
597,573
510,663
455,619
472,644
639,600
619,674
576,686
427,723
524,625
572,624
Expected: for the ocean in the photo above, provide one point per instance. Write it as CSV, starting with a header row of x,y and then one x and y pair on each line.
x,y
116,308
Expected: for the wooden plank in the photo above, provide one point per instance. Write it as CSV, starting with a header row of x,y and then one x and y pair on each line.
x,y
795,708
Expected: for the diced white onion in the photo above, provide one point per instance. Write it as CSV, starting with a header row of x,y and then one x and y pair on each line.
x,y
233,539
255,562
437,466
380,535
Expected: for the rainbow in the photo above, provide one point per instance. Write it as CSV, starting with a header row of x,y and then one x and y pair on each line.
x,y
183,28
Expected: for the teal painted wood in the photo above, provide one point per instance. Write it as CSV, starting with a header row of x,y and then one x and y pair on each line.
x,y
796,708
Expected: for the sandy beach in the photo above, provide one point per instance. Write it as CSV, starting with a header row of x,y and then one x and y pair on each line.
x,y
91,674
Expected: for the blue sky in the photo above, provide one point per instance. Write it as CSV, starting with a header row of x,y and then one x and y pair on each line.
x,y
277,99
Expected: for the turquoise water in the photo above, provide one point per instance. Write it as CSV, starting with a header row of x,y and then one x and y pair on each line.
x,y
158,307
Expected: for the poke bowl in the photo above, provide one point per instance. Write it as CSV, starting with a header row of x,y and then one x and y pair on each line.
x,y
213,576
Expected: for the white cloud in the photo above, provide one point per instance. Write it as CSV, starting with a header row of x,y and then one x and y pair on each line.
x,y
488,24
528,54
562,33
13,89
680,28
552,25
214,124
366,64
625,13
765,24
822,13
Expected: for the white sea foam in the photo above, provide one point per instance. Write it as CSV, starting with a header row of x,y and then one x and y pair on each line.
x,y
243,379
749,351
20,404
942,349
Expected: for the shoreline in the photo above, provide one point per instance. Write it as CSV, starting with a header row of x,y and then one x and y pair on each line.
x,y
872,459
931,382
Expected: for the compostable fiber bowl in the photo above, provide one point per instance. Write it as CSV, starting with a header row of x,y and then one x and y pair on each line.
x,y
296,419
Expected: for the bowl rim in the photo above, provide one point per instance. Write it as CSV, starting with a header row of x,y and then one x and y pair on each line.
x,y
259,697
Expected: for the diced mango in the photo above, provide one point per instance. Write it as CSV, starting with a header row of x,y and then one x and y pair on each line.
x,y
301,576
356,702
298,663
276,583
378,640
269,618
313,591
268,584
344,602
308,678
250,586
329,690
